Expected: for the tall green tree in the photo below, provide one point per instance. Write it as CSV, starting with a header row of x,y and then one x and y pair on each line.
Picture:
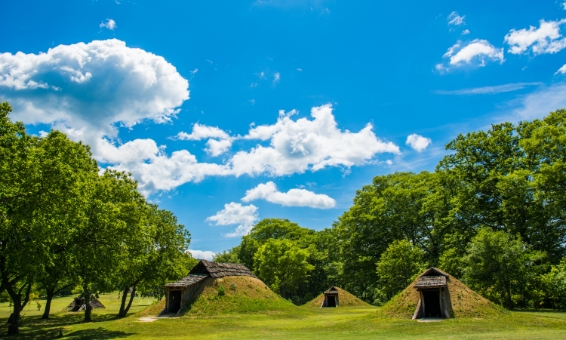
x,y
500,266
270,228
158,253
283,265
398,266
99,240
394,207
66,167
41,190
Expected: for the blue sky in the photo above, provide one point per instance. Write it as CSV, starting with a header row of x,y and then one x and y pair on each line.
x,y
227,112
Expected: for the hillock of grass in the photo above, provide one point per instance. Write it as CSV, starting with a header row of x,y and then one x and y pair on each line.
x,y
236,294
345,298
154,309
465,302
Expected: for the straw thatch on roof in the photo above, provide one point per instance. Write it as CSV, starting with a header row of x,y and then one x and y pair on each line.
x,y
182,292
214,269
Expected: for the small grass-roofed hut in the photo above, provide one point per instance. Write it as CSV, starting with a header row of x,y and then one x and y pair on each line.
x,y
331,298
437,294
341,297
434,297
186,290
78,304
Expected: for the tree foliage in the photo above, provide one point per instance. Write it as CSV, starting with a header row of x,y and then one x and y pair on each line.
x,y
400,264
63,224
500,266
282,265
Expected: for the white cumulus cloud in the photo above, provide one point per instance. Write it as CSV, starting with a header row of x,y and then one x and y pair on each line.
x,y
418,143
202,254
291,198
545,39
455,19
91,86
218,142
109,23
301,145
477,53
244,216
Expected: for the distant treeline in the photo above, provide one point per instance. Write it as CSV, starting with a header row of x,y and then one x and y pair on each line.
x,y
63,225
491,214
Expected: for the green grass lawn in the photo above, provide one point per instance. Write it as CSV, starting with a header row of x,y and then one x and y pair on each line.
x,y
298,323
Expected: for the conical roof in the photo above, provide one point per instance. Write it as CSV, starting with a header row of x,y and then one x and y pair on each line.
x,y
346,299
465,302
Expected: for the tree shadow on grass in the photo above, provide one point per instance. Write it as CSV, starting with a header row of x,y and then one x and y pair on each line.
x,y
54,333
97,333
37,328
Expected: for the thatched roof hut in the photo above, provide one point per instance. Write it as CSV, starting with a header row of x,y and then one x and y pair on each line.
x,y
179,293
79,304
437,294
331,298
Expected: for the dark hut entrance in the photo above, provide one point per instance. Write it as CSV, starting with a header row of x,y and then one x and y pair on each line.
x,y
330,298
432,303
434,299
174,301
331,301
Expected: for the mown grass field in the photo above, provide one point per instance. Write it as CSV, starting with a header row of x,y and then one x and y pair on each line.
x,y
290,323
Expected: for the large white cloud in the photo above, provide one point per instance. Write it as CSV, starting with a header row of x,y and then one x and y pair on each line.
x,y
244,216
91,85
291,198
297,146
545,39
477,53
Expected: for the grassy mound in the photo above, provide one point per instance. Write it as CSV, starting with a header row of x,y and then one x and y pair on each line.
x,y
236,294
465,302
154,309
345,300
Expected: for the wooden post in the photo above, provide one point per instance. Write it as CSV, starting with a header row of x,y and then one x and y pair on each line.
x,y
422,299
440,300
167,301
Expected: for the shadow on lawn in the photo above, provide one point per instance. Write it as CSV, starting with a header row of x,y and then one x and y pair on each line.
x,y
53,333
37,328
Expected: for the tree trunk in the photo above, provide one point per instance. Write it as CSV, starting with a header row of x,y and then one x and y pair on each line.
x,y
14,319
88,307
131,299
123,310
50,294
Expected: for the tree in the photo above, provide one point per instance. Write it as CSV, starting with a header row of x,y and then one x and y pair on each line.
x,y
501,182
554,283
98,240
230,256
41,190
282,264
156,255
398,266
500,266
270,228
394,207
